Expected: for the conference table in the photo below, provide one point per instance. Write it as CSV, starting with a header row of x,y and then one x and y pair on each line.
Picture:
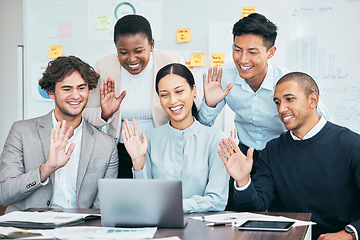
x,y
198,230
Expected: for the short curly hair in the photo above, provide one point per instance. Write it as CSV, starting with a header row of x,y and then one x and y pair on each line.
x,y
131,25
62,67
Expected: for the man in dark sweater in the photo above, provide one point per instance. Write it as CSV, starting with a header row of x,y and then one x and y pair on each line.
x,y
314,167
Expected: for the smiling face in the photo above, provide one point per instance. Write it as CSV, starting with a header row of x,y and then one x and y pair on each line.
x,y
134,52
70,96
250,57
296,111
177,98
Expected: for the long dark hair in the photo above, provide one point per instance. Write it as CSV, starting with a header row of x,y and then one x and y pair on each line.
x,y
182,71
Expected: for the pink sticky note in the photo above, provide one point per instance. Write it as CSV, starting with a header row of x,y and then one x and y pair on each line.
x,y
65,30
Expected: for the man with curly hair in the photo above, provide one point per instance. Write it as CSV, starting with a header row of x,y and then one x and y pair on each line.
x,y
54,161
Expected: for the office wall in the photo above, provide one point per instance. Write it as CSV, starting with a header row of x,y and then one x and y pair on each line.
x,y
314,36
11,34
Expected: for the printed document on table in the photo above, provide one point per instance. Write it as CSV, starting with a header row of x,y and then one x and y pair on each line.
x,y
104,233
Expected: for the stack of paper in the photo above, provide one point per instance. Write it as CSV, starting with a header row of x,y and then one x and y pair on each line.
x,y
44,220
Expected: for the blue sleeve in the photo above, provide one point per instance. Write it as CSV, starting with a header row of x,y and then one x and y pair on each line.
x,y
145,172
207,115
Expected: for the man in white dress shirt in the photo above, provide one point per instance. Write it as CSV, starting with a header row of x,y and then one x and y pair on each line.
x,y
55,160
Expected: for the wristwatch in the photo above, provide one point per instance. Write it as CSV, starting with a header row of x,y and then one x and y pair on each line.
x,y
350,231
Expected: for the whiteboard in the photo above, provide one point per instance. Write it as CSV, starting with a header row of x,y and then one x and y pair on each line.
x,y
316,37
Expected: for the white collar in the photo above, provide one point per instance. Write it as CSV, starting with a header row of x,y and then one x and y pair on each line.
x,y
315,130
267,82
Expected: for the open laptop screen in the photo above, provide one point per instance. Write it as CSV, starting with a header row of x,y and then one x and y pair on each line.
x,y
141,202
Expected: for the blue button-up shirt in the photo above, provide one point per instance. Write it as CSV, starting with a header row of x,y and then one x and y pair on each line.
x,y
256,117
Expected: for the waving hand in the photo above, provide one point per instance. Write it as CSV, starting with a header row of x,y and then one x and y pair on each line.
x,y
212,87
109,103
58,156
237,164
133,144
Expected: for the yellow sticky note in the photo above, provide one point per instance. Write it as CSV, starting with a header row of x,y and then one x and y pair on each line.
x,y
103,22
217,60
183,35
55,51
197,59
246,11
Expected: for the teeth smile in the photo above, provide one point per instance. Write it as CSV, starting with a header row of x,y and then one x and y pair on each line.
x,y
287,118
74,103
176,108
245,68
134,65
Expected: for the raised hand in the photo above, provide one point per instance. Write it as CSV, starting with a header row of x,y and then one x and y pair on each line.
x,y
237,164
212,87
58,156
133,144
109,103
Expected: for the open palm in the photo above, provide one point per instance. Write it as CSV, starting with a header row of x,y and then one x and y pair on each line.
x,y
109,102
58,156
236,163
212,87
133,144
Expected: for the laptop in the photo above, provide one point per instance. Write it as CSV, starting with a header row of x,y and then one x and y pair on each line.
x,y
141,203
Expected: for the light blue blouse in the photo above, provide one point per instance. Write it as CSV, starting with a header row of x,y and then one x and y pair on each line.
x,y
191,156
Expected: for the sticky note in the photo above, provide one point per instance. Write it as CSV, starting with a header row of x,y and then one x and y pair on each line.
x,y
246,11
103,22
65,30
217,60
183,35
197,59
188,64
55,51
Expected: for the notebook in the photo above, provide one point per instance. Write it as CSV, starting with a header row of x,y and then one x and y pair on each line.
x,y
141,203
44,219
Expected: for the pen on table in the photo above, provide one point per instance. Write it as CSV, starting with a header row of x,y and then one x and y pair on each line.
x,y
215,224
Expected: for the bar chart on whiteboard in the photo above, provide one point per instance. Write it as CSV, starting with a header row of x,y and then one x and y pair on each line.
x,y
323,52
